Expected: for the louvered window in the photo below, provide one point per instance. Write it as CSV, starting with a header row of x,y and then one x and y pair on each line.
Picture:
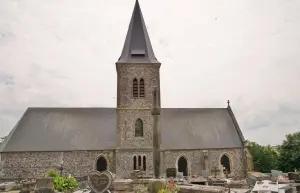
x,y
135,88
134,163
140,162
142,88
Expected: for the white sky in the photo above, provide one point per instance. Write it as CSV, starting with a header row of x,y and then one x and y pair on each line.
x,y
63,53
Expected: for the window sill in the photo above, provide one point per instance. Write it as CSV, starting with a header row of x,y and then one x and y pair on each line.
x,y
140,138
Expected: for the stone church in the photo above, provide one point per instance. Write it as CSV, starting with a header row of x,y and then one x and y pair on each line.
x,y
196,141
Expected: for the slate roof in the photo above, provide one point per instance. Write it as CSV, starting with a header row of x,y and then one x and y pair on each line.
x,y
70,129
63,129
199,128
137,47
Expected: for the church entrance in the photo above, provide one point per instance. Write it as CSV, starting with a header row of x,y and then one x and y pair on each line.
x,y
225,163
183,166
101,164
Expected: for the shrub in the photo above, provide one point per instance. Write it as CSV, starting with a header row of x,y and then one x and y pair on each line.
x,y
62,184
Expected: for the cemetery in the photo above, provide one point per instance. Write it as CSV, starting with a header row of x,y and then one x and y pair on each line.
x,y
140,182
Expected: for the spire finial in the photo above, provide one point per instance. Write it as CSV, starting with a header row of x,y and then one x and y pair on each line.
x,y
228,103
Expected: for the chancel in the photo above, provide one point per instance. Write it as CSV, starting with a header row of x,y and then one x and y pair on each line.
x,y
137,134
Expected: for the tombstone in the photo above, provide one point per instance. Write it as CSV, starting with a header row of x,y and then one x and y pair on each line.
x,y
44,185
226,173
100,182
6,186
215,171
179,175
221,169
276,173
171,172
27,187
205,173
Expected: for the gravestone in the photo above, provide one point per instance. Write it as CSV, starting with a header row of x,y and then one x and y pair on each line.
x,y
179,175
215,171
171,172
276,173
100,182
44,185
221,173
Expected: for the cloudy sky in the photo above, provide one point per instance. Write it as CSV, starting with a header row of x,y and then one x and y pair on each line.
x,y
63,53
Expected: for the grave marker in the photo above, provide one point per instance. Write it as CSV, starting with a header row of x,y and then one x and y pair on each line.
x,y
215,171
171,172
100,182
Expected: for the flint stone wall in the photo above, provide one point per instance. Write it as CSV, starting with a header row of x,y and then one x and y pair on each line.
x,y
80,163
195,160
77,163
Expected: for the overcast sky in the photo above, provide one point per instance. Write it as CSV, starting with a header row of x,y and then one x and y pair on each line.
x,y
63,53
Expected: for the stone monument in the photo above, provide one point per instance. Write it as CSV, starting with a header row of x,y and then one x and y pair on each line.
x,y
221,173
99,182
44,185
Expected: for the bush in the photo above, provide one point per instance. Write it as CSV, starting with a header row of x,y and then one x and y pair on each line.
x,y
169,187
62,184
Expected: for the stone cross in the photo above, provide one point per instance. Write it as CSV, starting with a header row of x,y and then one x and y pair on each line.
x,y
221,168
215,171
226,173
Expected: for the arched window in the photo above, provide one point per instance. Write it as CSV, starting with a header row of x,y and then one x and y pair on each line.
x,y
134,163
139,162
135,88
144,163
139,128
142,88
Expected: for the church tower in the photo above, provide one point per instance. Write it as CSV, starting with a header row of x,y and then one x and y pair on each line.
x,y
138,77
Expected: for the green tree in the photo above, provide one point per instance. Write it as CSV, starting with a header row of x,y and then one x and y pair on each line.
x,y
289,159
264,157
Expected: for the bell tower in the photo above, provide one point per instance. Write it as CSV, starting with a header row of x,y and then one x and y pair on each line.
x,y
138,75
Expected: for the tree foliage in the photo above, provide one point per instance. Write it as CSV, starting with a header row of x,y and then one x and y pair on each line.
x,y
289,159
264,157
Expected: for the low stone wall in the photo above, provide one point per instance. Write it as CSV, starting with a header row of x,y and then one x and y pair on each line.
x,y
201,189
129,186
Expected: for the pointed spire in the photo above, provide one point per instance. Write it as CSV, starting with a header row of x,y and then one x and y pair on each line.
x,y
137,47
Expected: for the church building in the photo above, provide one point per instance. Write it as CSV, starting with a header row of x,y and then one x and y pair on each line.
x,y
195,141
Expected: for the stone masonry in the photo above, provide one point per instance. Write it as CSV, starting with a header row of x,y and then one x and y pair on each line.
x,y
195,160
78,163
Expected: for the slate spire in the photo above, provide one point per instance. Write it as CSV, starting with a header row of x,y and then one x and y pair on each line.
x,y
137,47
